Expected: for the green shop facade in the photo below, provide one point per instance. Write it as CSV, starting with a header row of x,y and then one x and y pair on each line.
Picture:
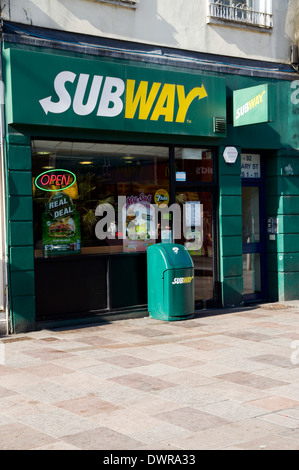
x,y
86,135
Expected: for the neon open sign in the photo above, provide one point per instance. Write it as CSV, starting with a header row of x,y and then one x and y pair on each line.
x,y
60,179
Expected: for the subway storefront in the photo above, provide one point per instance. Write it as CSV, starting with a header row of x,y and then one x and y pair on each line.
x,y
92,144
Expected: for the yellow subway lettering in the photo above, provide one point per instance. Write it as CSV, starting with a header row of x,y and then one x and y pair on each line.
x,y
165,104
140,98
185,101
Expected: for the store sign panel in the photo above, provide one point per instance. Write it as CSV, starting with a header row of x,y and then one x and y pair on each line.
x,y
251,105
54,90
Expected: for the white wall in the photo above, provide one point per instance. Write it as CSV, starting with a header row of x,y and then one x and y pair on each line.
x,y
163,22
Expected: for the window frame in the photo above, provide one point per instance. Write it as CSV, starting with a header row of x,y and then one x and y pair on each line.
x,y
256,15
132,4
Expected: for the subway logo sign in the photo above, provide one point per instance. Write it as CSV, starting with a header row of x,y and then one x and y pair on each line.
x,y
251,105
68,91
108,96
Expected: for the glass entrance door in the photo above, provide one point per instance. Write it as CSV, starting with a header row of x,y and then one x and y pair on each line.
x,y
196,192
197,236
253,242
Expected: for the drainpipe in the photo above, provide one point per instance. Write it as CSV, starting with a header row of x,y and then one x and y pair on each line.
x,y
4,316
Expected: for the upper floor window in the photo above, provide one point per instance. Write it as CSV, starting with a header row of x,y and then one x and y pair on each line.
x,y
123,3
246,12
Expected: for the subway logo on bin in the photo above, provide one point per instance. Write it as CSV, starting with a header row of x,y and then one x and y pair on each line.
x,y
182,280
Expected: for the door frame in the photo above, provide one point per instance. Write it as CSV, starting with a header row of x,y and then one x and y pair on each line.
x,y
213,188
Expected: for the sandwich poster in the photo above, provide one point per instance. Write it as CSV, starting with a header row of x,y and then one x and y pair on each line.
x,y
138,223
61,232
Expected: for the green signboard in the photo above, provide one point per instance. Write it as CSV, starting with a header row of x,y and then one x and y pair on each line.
x,y
65,91
251,105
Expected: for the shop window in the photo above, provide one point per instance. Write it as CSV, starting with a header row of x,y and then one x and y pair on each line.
x,y
194,165
246,12
80,188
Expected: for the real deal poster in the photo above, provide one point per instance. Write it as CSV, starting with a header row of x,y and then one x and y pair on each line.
x,y
61,233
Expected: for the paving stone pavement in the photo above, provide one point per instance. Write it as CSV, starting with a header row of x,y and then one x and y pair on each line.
x,y
226,379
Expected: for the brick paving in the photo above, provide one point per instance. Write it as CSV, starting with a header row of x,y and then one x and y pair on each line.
x,y
226,379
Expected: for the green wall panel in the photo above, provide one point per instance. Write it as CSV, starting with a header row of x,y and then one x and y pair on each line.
x,y
20,183
283,185
21,258
288,224
232,246
288,263
22,283
230,185
232,291
281,165
283,262
231,225
231,205
230,229
283,203
288,243
23,319
289,205
232,266
20,233
19,158
20,208
288,285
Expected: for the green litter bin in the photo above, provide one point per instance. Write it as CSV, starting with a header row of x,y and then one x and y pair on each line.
x,y
170,281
